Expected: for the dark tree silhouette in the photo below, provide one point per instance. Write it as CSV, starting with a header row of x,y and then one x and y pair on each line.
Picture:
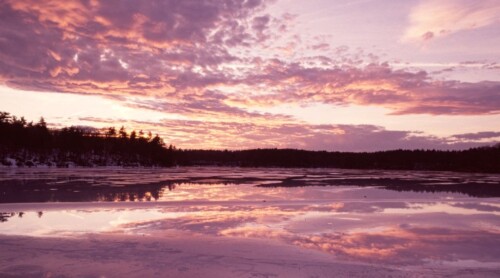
x,y
483,159
30,144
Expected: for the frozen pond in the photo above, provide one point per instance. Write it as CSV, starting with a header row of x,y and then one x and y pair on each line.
x,y
248,222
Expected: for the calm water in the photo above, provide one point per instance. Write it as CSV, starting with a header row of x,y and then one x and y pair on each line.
x,y
408,223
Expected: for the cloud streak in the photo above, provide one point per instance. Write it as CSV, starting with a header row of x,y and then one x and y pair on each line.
x,y
432,19
244,135
184,51
216,62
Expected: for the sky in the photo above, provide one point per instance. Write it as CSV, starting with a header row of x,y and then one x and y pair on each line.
x,y
357,75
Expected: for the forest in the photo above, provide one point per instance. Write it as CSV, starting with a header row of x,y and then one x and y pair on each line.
x,y
483,159
29,144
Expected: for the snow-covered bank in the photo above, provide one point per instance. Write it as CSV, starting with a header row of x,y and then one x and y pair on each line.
x,y
60,159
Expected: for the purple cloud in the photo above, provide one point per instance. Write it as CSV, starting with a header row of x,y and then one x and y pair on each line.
x,y
182,51
97,47
244,135
214,61
478,135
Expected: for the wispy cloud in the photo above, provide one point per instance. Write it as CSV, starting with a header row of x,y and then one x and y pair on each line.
x,y
102,46
267,134
216,62
478,135
189,53
432,19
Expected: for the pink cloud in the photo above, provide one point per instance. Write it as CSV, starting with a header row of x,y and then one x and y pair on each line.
x,y
82,47
182,51
404,92
199,59
268,134
437,18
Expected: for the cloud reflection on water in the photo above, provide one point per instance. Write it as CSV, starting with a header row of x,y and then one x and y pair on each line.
x,y
135,185
392,245
398,233
365,224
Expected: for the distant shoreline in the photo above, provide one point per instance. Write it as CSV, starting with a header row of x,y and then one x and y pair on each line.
x,y
28,144
477,160
194,164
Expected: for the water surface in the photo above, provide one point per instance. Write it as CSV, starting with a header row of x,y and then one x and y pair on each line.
x,y
399,223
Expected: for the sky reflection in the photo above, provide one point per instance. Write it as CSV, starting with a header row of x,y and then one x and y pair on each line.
x,y
195,184
389,232
391,245
367,224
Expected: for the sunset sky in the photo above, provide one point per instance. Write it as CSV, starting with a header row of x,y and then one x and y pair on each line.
x,y
350,75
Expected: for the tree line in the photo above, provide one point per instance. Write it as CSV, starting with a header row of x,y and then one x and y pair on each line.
x,y
29,144
483,159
